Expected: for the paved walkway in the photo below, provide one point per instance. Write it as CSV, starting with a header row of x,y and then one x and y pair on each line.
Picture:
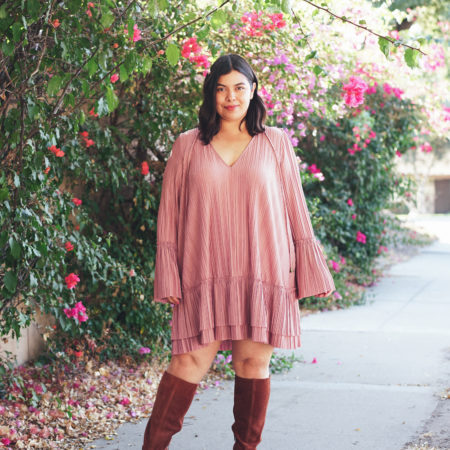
x,y
379,370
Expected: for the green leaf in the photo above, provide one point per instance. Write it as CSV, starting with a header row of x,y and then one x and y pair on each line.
x,y
362,22
102,60
162,4
172,53
3,11
286,6
202,33
3,238
54,85
33,8
317,69
15,248
8,47
17,31
10,280
411,57
384,45
111,99
123,73
3,194
81,117
92,67
69,99
130,28
218,18
311,55
107,18
146,64
73,5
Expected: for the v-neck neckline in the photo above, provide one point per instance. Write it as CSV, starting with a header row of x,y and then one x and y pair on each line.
x,y
239,157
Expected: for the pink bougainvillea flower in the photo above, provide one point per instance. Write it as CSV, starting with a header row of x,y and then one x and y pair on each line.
x,y
77,201
192,51
5,441
387,88
354,91
277,20
69,312
426,147
71,280
353,216
322,138
68,246
314,361
399,154
351,151
77,312
313,168
435,57
136,33
144,350
360,237
84,134
114,77
342,259
398,92
93,113
338,124
144,168
335,265
350,202
132,273
337,295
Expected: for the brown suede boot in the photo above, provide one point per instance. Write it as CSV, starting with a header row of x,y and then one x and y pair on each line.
x,y
251,397
173,398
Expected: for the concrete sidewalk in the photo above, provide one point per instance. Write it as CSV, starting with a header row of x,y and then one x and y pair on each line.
x,y
376,384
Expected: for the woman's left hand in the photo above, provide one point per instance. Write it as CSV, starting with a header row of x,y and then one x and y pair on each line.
x,y
324,294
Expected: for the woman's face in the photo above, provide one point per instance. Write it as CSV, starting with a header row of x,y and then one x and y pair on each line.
x,y
233,89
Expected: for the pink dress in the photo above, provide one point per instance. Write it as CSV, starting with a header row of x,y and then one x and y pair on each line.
x,y
235,244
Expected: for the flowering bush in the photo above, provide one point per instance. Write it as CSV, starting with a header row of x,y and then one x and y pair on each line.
x,y
87,127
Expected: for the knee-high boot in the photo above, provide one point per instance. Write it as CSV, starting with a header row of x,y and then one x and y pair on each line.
x,y
173,398
251,397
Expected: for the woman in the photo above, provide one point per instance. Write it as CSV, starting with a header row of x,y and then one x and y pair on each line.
x,y
235,249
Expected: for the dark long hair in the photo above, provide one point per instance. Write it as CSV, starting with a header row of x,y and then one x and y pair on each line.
x,y
208,119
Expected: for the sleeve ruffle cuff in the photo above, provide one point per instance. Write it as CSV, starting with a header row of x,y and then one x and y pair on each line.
x,y
311,273
167,276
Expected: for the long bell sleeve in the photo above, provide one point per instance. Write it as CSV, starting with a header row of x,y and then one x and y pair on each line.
x,y
311,273
167,275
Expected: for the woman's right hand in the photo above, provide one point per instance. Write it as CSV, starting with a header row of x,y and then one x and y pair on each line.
x,y
173,300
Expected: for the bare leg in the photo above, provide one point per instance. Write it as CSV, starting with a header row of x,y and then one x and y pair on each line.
x,y
251,359
193,366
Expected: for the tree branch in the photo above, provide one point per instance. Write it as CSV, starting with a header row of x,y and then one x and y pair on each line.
x,y
344,19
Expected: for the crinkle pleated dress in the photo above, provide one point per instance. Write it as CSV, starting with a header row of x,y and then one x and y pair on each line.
x,y
235,244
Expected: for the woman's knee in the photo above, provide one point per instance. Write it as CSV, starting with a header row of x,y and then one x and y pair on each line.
x,y
252,367
192,366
